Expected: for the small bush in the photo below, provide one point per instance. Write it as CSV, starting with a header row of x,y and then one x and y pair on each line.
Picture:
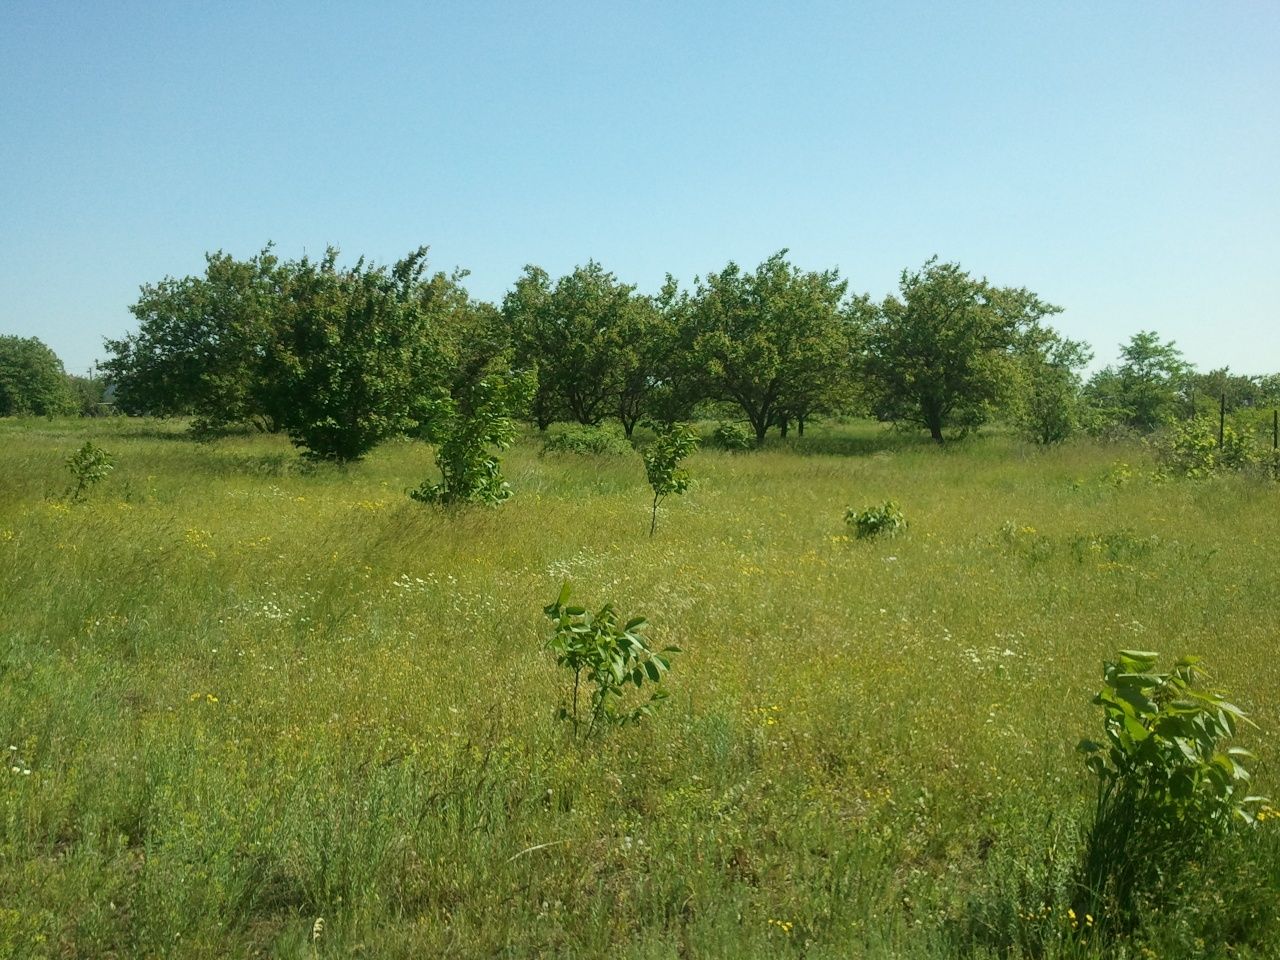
x,y
606,657
89,466
1116,546
1166,786
1023,540
589,441
885,520
1190,449
732,436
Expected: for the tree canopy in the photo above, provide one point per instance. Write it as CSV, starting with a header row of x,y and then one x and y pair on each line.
x,y
342,357
32,380
774,341
594,340
1144,391
943,352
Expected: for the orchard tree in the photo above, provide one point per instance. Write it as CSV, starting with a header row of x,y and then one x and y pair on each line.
x,y
1146,389
942,353
644,341
1047,405
1205,390
205,346
586,335
89,393
774,341
466,425
358,353
32,380
832,387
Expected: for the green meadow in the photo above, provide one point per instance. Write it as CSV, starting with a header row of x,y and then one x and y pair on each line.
x,y
257,708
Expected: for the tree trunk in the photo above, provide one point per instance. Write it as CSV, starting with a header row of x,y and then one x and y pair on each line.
x,y
800,425
783,426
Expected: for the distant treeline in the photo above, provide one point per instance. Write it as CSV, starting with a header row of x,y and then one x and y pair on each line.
x,y
343,357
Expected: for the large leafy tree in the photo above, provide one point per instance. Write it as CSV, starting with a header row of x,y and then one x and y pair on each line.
x,y
204,345
943,352
591,338
361,352
643,343
1047,405
774,340
1145,390
32,379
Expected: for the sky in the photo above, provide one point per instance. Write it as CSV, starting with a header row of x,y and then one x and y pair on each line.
x,y
1122,160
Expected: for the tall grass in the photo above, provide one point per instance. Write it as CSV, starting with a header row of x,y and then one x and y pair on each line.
x,y
252,694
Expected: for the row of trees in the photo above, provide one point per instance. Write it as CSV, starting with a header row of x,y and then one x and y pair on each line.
x,y
342,357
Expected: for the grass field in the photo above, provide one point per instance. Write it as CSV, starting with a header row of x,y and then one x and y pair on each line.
x,y
269,710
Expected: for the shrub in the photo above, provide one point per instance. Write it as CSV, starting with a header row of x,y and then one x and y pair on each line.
x,y
1166,787
1116,546
589,441
662,460
469,473
884,520
1191,450
732,436
89,466
605,657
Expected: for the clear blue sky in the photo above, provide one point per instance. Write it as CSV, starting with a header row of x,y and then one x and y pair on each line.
x,y
1121,159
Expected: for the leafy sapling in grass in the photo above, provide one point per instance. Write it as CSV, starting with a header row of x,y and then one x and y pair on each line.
x,y
885,520
605,656
89,466
588,441
465,429
662,459
1167,787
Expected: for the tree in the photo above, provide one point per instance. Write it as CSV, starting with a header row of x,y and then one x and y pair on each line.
x,y
1144,391
774,341
1047,405
205,346
90,393
474,403
943,353
32,380
1209,389
588,337
832,386
643,345
359,354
